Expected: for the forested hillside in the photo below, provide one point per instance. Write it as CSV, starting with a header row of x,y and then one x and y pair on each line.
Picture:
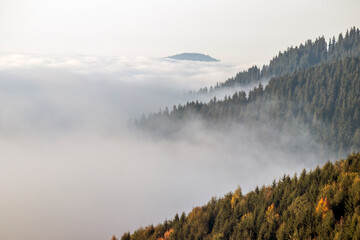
x,y
321,204
314,88
324,99
306,55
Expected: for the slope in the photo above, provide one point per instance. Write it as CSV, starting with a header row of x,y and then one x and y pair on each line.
x,y
321,204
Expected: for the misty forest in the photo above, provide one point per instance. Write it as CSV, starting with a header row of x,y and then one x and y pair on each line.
x,y
179,120
313,90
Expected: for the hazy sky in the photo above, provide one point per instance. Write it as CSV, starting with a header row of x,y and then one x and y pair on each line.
x,y
238,31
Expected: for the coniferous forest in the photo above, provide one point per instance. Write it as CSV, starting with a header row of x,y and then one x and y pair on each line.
x,y
320,204
315,86
323,97
293,59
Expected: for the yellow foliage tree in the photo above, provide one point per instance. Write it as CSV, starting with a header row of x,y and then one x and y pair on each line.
x,y
271,215
323,207
236,197
167,235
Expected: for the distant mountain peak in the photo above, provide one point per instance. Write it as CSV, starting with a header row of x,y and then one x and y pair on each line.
x,y
194,57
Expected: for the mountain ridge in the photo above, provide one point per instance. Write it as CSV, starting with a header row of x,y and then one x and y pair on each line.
x,y
306,55
193,57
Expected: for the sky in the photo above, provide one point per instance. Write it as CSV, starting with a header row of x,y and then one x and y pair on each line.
x,y
236,31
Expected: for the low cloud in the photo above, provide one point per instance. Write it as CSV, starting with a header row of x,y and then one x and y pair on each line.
x,y
72,169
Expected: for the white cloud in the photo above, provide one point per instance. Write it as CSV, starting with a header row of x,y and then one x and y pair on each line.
x,y
71,169
47,90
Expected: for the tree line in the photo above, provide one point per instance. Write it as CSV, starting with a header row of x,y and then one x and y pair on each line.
x,y
293,59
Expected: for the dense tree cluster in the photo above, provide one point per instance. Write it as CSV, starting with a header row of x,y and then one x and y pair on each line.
x,y
321,204
324,99
296,58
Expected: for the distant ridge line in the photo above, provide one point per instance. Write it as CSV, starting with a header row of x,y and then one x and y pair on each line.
x,y
193,57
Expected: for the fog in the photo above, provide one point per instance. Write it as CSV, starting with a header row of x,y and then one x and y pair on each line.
x,y
72,168
221,93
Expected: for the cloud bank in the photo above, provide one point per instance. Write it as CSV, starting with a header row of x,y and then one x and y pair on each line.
x,y
72,169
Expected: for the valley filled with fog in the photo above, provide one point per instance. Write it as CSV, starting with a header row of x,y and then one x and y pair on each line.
x,y
73,166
